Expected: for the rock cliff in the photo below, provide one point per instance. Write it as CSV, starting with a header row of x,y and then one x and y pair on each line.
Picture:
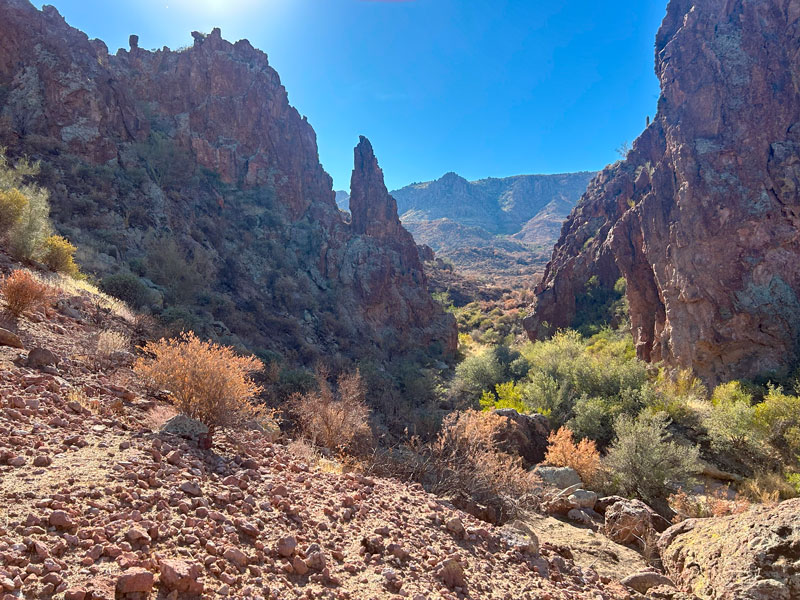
x,y
191,173
702,218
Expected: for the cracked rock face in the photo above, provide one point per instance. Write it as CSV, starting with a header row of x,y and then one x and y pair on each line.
x,y
751,556
702,218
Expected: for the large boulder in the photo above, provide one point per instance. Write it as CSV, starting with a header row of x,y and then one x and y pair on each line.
x,y
181,576
523,435
185,427
630,522
560,477
750,556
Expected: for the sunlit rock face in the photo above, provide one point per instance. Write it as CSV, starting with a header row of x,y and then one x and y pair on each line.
x,y
201,147
703,217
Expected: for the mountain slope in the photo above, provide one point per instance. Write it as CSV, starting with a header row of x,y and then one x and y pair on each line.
x,y
498,228
702,218
189,172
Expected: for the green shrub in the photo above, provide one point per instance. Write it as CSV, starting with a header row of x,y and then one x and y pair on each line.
x,y
59,255
731,421
12,206
129,288
778,420
506,395
644,461
28,235
479,372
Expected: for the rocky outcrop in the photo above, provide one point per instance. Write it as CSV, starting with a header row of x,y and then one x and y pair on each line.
x,y
751,556
702,217
190,170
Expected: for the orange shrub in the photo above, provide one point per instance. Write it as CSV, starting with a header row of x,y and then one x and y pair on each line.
x,y
715,504
562,451
23,293
336,421
208,382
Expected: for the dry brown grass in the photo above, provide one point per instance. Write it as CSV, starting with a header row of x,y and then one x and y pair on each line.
x,y
465,460
766,487
110,342
23,293
336,420
562,451
113,407
208,382
713,504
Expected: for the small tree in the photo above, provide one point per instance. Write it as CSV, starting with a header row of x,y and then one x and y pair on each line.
x,y
644,460
208,382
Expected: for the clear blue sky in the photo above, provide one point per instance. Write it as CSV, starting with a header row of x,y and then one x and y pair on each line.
x,y
480,87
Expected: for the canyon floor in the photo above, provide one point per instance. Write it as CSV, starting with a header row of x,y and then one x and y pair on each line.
x,y
97,502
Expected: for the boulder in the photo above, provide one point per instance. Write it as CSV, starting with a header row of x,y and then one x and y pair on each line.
x,y
181,576
39,358
749,556
9,338
582,499
135,580
643,581
523,435
560,477
185,427
629,522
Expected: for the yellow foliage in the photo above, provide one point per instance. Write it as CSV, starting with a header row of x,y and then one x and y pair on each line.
x,y
12,205
59,255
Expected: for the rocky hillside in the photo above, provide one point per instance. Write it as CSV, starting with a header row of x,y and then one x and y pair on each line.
x,y
501,228
98,500
702,217
189,177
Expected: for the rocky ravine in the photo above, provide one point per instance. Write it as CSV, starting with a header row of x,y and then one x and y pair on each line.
x,y
96,502
191,169
703,217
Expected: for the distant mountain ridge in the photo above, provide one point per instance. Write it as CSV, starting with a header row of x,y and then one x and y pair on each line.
x,y
497,227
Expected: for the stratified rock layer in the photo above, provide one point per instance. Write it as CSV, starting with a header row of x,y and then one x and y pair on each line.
x,y
751,556
190,169
702,218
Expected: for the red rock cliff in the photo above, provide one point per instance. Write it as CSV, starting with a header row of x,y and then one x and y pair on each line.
x,y
200,147
702,218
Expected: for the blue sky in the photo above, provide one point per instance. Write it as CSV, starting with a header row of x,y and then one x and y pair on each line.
x,y
480,87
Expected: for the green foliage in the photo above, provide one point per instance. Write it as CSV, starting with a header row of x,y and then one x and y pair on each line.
x,y
129,288
12,205
599,306
644,460
506,395
28,235
479,372
730,423
778,420
184,276
599,374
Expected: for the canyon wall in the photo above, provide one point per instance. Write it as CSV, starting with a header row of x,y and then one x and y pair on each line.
x,y
191,173
702,218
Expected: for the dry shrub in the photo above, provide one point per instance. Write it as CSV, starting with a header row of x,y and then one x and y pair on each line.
x,y
23,293
766,487
113,408
562,451
334,420
110,342
465,460
208,382
715,504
